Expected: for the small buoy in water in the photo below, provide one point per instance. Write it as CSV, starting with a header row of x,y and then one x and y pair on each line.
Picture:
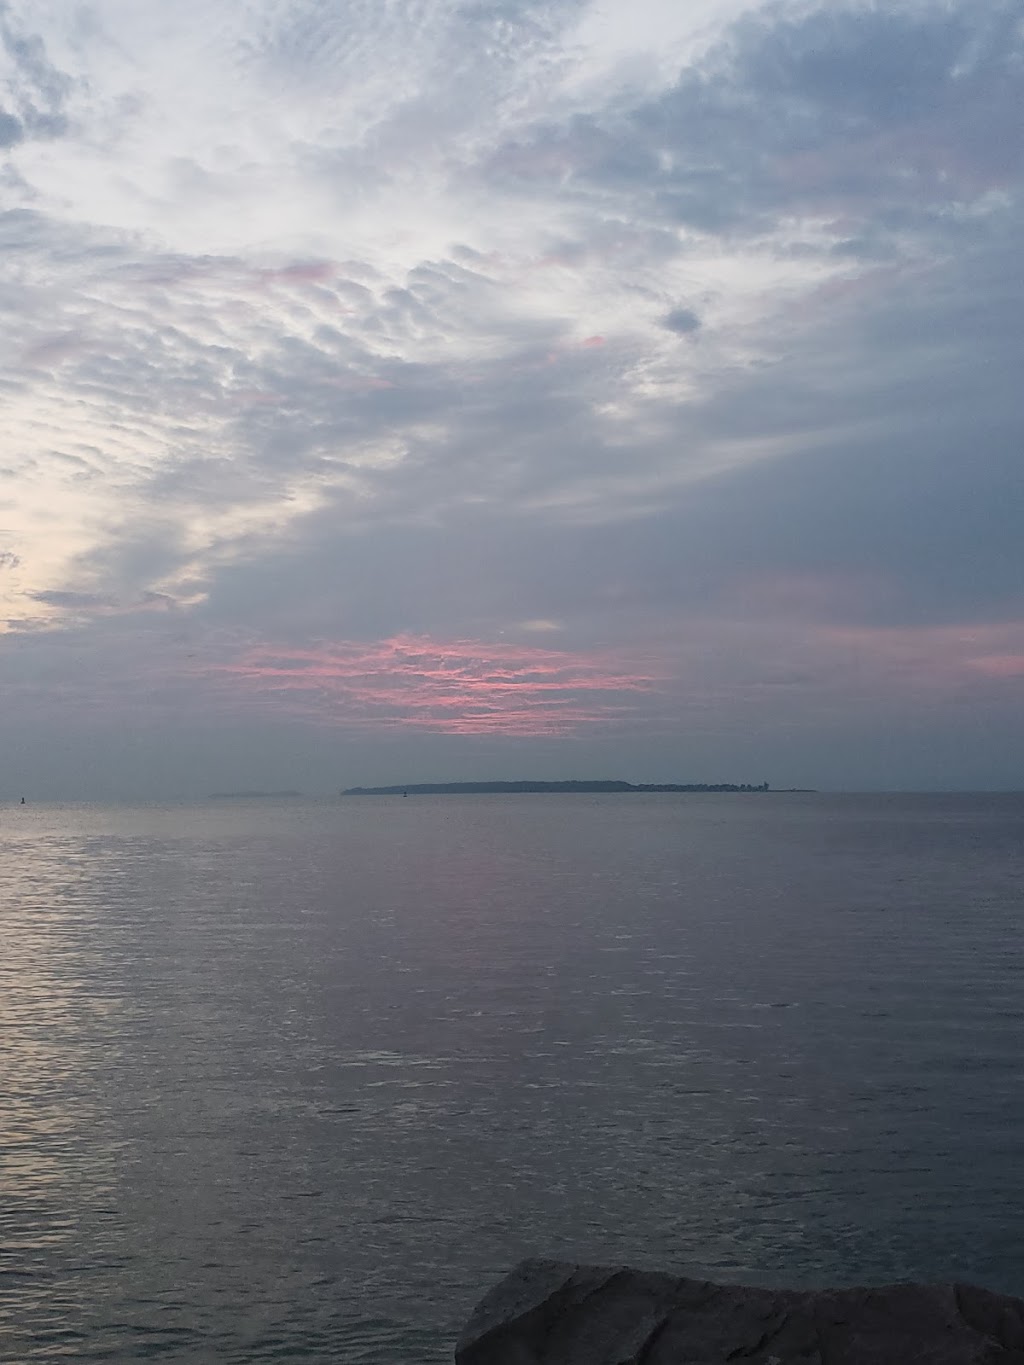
x,y
22,800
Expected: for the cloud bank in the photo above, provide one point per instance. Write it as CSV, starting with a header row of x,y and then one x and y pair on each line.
x,y
634,391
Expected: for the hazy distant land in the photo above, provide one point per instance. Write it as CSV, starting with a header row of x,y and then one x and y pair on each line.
x,y
516,788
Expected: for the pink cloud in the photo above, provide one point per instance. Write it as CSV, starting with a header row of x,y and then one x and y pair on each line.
x,y
935,658
302,272
804,596
452,687
52,352
999,665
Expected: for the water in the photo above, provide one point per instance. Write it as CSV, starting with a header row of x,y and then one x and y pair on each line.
x,y
298,1081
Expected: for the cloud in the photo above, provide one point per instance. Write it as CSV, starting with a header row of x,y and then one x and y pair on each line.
x,y
33,92
881,116
682,321
370,324
11,130
76,600
458,687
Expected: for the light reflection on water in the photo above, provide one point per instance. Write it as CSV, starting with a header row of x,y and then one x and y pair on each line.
x,y
299,1081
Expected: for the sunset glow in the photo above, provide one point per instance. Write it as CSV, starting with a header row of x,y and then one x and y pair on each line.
x,y
458,687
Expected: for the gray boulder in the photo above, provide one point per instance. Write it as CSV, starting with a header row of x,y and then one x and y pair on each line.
x,y
555,1313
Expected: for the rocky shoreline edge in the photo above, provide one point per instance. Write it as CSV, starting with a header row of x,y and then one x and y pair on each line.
x,y
559,1313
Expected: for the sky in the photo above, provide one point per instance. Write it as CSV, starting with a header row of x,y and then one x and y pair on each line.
x,y
437,390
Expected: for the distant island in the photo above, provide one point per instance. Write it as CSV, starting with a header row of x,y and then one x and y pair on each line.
x,y
517,788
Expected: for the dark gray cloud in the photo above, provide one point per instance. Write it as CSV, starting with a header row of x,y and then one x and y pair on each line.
x,y
11,129
854,110
683,321
33,103
68,598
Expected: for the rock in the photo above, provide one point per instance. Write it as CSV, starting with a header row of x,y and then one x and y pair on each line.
x,y
555,1313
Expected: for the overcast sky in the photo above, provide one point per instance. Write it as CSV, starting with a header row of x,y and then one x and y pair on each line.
x,y
411,390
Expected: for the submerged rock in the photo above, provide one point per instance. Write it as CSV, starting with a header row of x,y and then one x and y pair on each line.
x,y
555,1313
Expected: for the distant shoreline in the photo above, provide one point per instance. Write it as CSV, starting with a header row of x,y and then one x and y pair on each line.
x,y
559,788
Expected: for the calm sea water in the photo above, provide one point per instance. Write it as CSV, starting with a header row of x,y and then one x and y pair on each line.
x,y
299,1081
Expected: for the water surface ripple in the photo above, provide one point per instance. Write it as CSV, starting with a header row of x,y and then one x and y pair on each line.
x,y
297,1081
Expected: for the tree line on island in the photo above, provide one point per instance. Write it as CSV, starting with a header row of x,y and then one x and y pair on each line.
x,y
517,788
